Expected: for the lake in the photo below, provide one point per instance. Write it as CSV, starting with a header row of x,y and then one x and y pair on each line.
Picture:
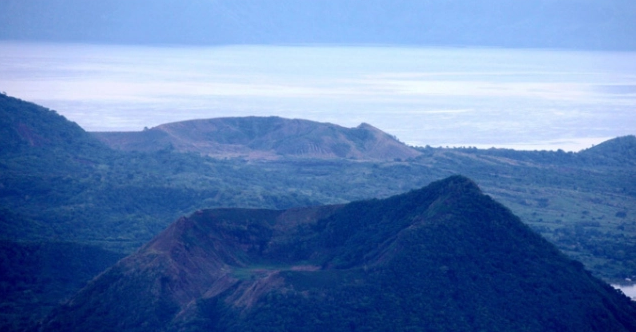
x,y
522,99
628,290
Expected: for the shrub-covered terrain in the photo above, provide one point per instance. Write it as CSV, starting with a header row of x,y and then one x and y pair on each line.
x,y
442,258
59,184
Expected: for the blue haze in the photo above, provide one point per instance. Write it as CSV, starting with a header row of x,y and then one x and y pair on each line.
x,y
518,98
572,24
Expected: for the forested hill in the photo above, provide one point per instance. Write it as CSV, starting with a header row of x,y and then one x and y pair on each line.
x,y
264,138
620,149
442,258
581,24
25,126
59,184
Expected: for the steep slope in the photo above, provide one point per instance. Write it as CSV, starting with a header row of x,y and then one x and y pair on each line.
x,y
46,162
442,258
58,183
68,187
24,125
263,138
43,157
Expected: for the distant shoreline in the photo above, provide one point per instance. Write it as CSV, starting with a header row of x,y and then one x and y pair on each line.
x,y
456,97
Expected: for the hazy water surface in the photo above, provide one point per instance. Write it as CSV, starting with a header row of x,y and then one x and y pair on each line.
x,y
529,99
628,290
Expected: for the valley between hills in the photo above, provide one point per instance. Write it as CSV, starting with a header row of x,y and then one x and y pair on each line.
x,y
93,198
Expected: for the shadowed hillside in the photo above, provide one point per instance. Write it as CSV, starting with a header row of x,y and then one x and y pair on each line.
x,y
60,184
442,258
26,126
264,138
36,276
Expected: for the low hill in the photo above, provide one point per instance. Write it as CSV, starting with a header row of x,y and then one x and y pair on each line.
x,y
617,150
442,258
264,138
24,125
58,183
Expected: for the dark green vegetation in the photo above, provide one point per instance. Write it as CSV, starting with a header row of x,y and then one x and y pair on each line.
x,y
36,277
583,202
58,183
582,24
442,258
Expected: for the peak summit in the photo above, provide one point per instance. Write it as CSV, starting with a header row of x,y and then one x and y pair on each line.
x,y
442,258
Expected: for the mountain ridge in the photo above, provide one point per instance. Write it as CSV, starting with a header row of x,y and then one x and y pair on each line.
x,y
228,270
74,190
25,125
263,138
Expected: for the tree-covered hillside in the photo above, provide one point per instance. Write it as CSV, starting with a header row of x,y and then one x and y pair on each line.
x,y
36,276
441,258
58,183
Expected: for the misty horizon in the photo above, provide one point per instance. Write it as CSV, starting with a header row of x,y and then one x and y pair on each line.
x,y
482,97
